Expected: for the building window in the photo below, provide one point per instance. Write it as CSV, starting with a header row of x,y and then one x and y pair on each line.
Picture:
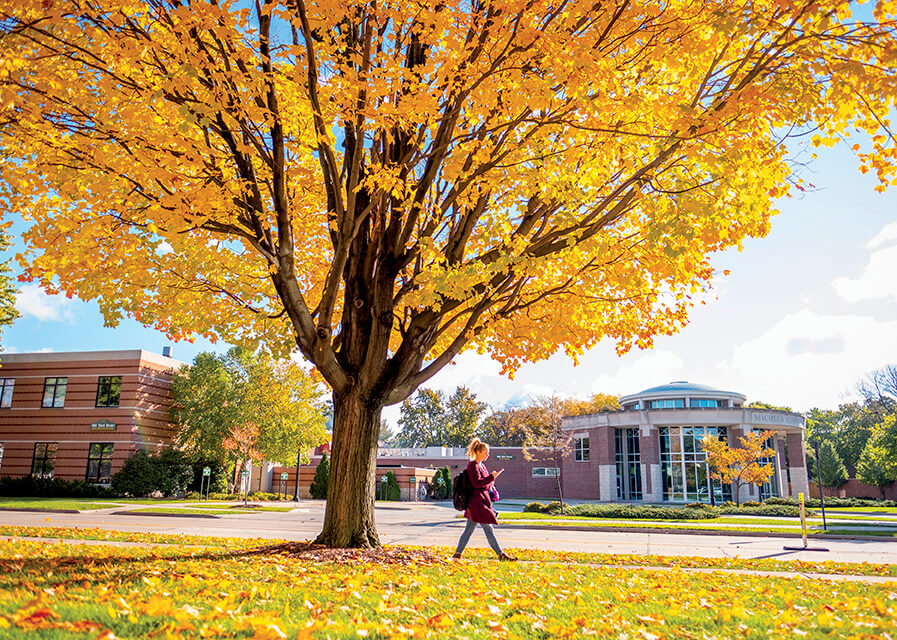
x,y
581,449
1,454
6,387
678,403
54,392
631,407
44,461
109,391
770,488
629,467
546,472
99,462
683,465
704,403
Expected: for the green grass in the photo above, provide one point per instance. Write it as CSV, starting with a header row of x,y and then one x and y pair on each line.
x,y
717,524
210,511
62,591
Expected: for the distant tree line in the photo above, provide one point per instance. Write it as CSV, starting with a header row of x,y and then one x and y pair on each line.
x,y
858,439
432,419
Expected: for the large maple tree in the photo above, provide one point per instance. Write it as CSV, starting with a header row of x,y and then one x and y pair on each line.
x,y
384,184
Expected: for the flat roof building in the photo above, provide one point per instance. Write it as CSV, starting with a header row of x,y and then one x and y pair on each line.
x,y
650,451
80,415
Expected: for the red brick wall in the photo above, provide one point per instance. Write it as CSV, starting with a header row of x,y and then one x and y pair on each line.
x,y
141,418
853,488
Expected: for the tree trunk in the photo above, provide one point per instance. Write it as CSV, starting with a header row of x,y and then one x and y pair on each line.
x,y
349,515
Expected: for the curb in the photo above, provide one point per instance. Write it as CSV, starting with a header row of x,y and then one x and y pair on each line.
x,y
683,531
165,515
25,510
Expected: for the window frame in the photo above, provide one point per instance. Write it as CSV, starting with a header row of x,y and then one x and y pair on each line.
x,y
102,458
105,386
44,473
6,384
581,451
56,398
545,472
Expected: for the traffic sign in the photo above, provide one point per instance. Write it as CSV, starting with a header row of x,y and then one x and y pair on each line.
x,y
206,471
244,473
284,475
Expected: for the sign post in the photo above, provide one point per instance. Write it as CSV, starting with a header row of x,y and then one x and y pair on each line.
x,y
244,484
411,490
283,484
205,483
383,480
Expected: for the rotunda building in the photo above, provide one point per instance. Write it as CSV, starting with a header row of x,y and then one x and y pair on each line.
x,y
651,450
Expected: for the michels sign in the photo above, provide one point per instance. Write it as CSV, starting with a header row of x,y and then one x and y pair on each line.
x,y
103,425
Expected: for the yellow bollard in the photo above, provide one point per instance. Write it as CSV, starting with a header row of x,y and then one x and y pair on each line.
x,y
803,517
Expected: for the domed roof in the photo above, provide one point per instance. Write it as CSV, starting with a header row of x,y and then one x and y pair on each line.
x,y
681,387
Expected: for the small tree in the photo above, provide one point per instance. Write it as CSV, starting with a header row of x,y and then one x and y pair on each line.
x,y
242,445
832,472
544,433
443,483
318,488
742,465
393,493
877,466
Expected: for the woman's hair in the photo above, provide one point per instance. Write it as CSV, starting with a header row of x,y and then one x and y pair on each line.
x,y
475,447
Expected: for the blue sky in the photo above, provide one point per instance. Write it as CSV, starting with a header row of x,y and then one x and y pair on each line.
x,y
805,312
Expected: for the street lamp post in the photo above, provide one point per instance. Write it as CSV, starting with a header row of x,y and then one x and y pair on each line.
x,y
298,460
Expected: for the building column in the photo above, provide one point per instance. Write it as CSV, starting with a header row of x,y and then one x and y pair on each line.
x,y
800,482
607,470
649,451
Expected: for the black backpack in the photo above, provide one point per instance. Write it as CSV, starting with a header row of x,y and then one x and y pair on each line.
x,y
462,489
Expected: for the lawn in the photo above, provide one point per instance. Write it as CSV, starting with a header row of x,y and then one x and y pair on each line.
x,y
209,510
72,591
726,523
89,504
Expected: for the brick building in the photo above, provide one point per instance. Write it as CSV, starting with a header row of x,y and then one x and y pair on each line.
x,y
651,450
80,415
648,452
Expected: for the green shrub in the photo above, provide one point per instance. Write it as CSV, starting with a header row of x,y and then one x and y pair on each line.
x,y
175,472
750,503
646,512
393,493
193,495
262,496
318,488
28,487
167,472
535,507
217,476
138,477
219,495
767,510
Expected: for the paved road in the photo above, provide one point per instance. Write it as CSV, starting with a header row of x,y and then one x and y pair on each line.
x,y
432,524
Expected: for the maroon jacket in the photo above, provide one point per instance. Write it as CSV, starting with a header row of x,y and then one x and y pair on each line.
x,y
479,509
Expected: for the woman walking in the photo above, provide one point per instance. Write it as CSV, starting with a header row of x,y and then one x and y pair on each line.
x,y
479,508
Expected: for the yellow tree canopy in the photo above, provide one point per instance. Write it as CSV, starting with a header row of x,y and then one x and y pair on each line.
x,y
384,184
527,174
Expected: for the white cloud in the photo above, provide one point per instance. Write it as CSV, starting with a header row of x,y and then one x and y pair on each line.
x,y
886,235
656,367
31,301
877,280
806,359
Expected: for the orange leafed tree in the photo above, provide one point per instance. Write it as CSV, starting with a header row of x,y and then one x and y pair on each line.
x,y
383,185
740,466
